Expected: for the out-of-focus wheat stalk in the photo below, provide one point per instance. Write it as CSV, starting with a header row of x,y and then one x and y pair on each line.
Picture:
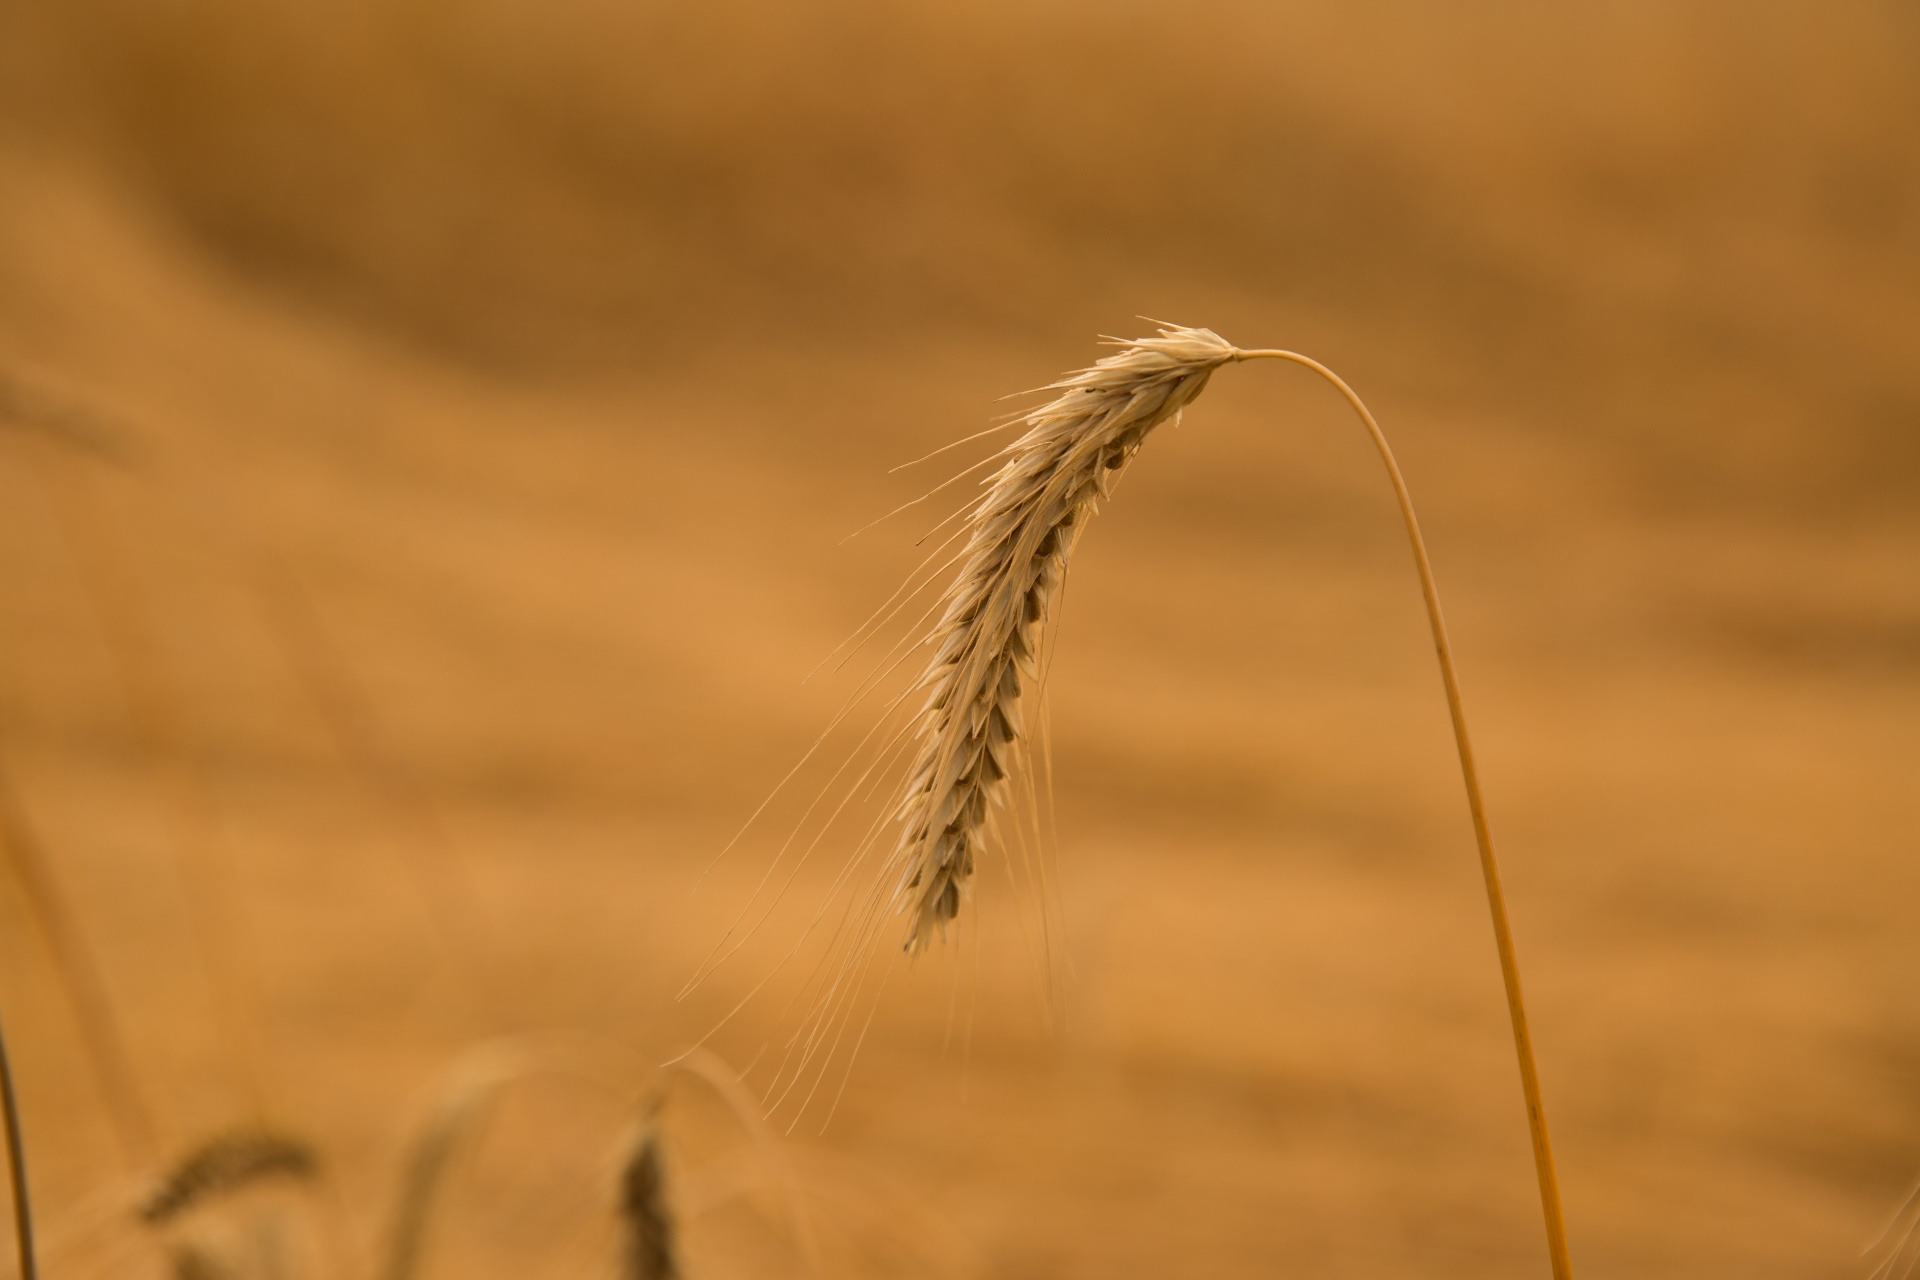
x,y
462,1103
84,436
55,420
1019,537
717,1075
481,1077
349,718
1900,1241
204,861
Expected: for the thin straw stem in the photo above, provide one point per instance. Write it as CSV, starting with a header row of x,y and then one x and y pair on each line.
x,y
80,977
1489,868
17,1169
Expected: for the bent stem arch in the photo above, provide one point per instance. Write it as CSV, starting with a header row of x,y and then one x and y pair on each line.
x,y
1489,868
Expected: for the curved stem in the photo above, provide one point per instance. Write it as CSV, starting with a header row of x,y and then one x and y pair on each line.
x,y
17,1168
1489,868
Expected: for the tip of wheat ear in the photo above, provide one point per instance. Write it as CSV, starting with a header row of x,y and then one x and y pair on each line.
x,y
983,650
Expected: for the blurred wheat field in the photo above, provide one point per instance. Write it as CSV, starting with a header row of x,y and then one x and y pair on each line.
x,y
427,436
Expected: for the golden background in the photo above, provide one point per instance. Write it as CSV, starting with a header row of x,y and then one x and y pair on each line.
x,y
427,435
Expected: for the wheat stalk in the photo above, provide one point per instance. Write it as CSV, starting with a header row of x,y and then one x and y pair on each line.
x,y
651,1253
462,1104
80,977
1019,537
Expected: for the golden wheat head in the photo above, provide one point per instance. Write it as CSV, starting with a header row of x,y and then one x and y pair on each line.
x,y
1018,539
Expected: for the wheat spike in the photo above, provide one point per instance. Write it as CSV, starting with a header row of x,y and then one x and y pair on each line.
x,y
1018,539
224,1165
643,1206
17,1169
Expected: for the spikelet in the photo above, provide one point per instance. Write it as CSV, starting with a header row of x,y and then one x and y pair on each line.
x,y
650,1251
1019,537
210,1214
224,1165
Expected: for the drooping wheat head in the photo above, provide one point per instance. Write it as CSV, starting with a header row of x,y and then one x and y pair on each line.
x,y
1019,536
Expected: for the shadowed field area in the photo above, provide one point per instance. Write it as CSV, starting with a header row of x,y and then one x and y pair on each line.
x,y
429,434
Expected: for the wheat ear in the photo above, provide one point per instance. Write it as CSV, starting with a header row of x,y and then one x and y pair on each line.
x,y
1477,806
651,1253
1019,537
